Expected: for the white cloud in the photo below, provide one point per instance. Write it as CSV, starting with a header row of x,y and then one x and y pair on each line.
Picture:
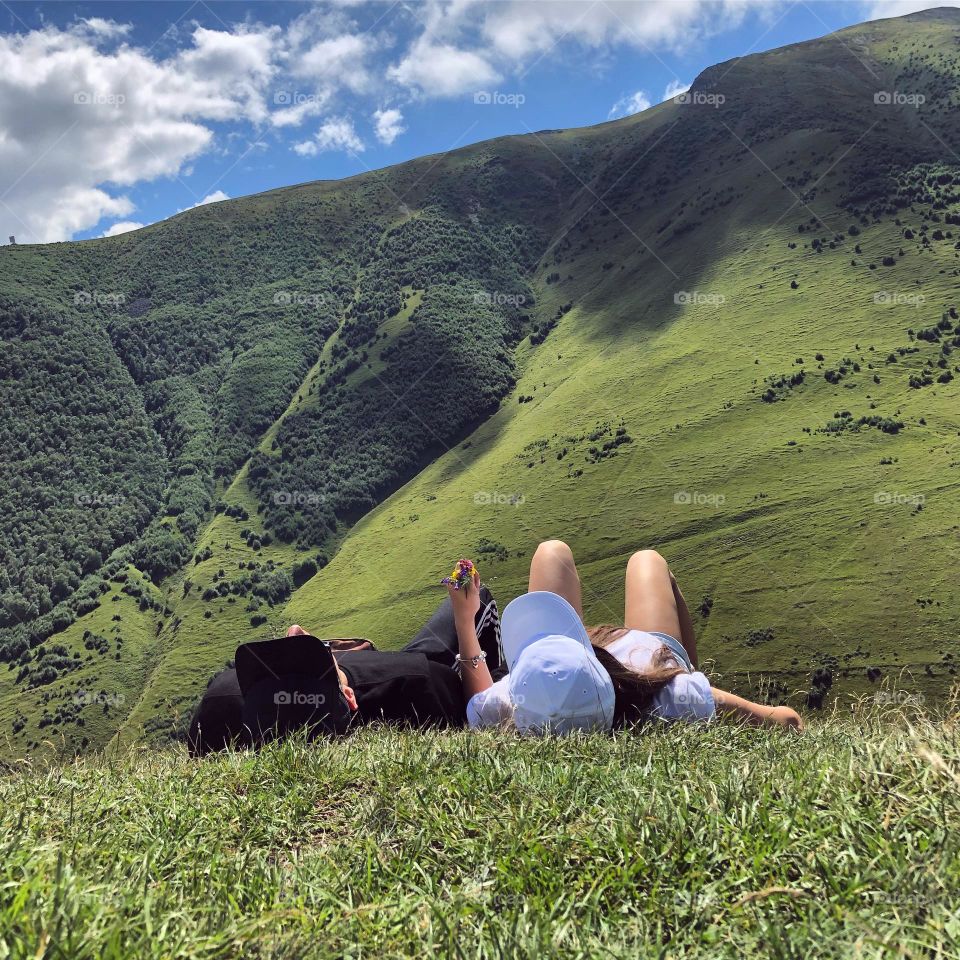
x,y
388,125
675,26
324,54
336,61
80,116
106,28
296,106
632,103
673,89
231,70
214,197
441,70
337,133
69,211
517,32
123,226
468,46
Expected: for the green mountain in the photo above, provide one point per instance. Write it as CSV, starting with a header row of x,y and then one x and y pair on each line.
x,y
725,327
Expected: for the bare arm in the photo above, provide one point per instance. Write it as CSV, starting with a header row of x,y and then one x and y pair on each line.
x,y
466,605
729,704
758,714
687,636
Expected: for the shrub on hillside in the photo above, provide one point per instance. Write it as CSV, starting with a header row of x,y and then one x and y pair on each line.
x,y
303,571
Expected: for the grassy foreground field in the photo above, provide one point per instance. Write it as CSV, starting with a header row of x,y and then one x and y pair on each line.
x,y
709,841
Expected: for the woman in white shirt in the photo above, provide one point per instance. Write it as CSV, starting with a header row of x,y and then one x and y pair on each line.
x,y
564,677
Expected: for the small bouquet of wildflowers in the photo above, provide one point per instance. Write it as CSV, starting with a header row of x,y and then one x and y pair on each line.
x,y
462,575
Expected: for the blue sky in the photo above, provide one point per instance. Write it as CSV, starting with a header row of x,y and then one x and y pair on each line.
x,y
115,115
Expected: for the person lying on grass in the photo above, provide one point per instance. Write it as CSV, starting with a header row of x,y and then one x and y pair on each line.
x,y
564,677
299,681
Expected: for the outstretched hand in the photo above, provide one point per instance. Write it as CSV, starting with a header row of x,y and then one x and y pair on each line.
x,y
787,717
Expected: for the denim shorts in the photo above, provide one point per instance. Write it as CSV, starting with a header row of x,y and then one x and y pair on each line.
x,y
676,647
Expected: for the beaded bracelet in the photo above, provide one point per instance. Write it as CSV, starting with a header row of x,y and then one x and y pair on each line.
x,y
475,661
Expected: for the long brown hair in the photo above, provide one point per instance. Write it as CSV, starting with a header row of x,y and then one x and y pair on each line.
x,y
634,691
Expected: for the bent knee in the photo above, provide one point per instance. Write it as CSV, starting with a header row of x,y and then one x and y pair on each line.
x,y
554,548
648,559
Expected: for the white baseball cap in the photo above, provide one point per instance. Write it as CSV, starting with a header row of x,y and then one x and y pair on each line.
x,y
556,682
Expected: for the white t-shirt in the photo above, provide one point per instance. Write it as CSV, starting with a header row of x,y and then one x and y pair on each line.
x,y
685,697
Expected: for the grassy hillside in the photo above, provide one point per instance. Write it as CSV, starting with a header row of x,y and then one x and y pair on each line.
x,y
712,842
725,327
822,541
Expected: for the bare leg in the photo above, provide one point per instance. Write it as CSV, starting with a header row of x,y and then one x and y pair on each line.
x,y
553,569
295,631
652,603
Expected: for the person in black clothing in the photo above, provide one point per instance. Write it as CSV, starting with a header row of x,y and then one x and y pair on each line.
x,y
297,681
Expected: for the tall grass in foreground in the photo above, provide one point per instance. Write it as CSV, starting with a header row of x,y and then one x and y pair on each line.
x,y
711,841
